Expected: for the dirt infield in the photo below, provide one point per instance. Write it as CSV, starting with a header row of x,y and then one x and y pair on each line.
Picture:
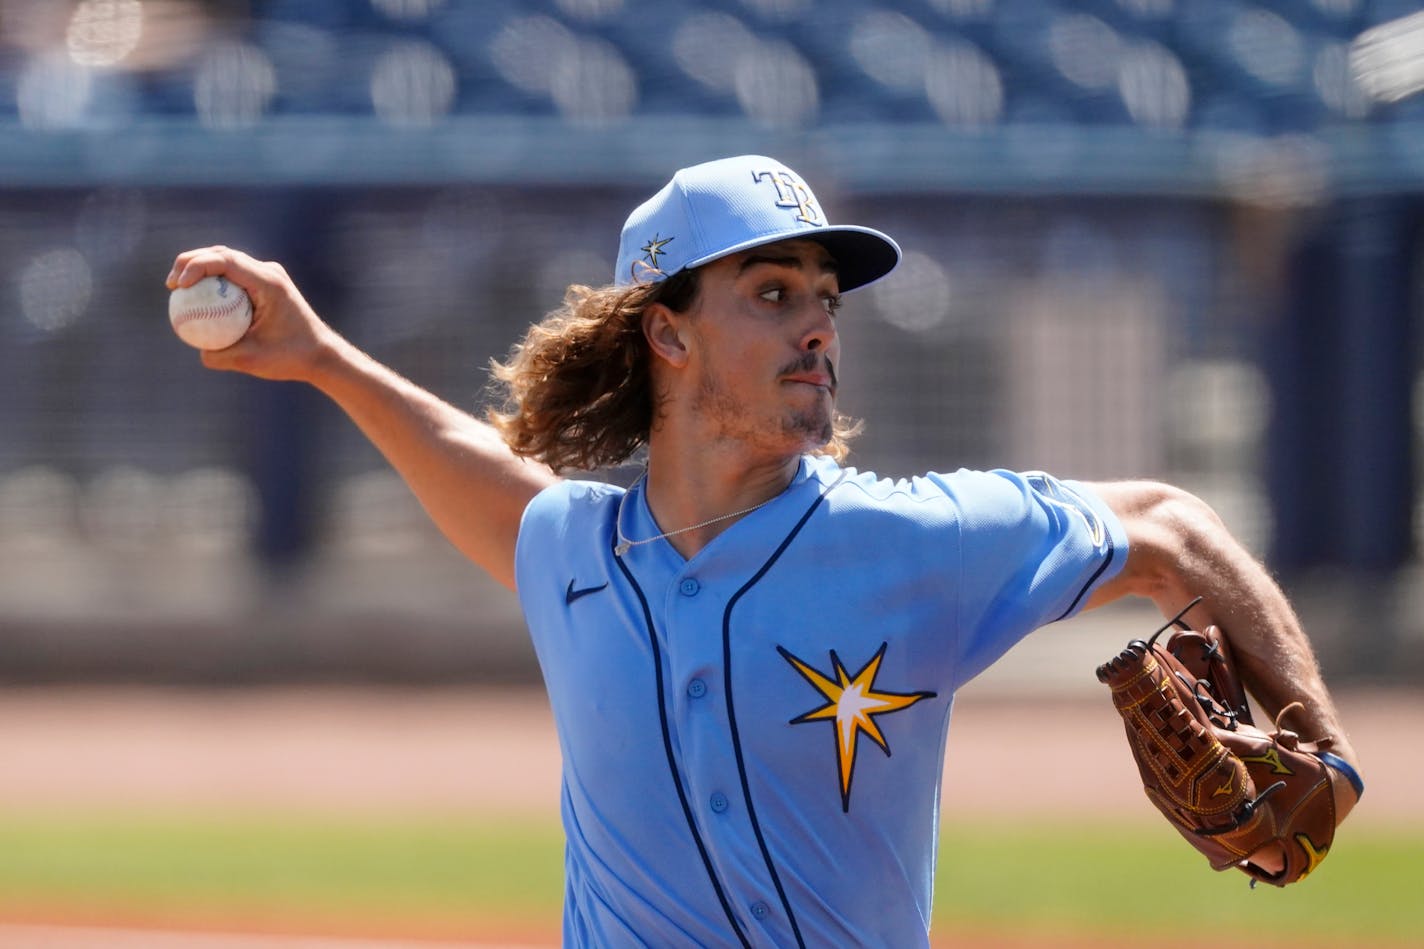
x,y
365,750
89,937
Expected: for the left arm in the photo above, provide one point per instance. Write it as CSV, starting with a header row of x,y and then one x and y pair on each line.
x,y
1179,549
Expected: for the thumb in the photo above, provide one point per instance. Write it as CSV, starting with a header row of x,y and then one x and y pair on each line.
x,y
235,358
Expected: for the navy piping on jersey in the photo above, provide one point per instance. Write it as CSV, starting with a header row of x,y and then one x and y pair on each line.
x,y
1107,561
671,758
731,712
1055,493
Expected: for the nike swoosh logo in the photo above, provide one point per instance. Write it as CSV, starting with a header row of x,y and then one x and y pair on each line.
x,y
571,594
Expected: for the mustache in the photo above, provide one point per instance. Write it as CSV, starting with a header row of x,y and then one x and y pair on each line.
x,y
810,362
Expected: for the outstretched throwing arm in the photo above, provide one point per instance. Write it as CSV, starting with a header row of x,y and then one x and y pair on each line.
x,y
469,482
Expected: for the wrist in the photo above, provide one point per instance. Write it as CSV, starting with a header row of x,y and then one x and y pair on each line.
x,y
330,359
1346,769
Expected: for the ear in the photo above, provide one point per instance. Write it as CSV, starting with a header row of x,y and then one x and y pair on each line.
x,y
665,332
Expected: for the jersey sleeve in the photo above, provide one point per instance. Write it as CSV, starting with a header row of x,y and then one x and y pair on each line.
x,y
541,527
1032,549
565,532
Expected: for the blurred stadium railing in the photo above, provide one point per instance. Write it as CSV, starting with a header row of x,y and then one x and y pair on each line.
x,y
1162,238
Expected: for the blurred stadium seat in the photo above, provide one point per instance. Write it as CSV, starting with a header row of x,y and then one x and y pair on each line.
x,y
615,60
1109,206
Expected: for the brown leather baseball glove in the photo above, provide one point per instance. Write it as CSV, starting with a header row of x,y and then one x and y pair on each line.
x,y
1265,803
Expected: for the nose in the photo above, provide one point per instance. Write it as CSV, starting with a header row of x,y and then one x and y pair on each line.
x,y
820,332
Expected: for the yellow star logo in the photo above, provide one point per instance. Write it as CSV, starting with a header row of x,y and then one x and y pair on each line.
x,y
654,249
852,702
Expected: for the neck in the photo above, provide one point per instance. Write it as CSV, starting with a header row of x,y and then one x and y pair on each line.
x,y
684,489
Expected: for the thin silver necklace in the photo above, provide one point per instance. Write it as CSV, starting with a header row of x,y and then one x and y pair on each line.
x,y
624,544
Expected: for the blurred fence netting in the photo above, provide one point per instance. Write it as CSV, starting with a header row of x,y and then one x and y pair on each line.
x,y
1143,239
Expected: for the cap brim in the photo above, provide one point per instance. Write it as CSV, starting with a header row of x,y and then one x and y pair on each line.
x,y
863,255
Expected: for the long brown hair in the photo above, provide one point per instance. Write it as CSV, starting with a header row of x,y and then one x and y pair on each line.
x,y
577,390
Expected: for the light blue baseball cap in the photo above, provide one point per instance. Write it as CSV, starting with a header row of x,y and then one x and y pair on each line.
x,y
721,207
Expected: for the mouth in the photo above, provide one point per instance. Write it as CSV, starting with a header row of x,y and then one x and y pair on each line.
x,y
823,383
814,372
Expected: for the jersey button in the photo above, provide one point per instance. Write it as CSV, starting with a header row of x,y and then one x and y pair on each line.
x,y
718,801
689,586
760,910
697,688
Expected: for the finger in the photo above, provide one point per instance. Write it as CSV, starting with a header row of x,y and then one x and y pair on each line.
x,y
191,266
184,262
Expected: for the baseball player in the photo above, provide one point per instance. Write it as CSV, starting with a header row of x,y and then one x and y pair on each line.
x,y
752,654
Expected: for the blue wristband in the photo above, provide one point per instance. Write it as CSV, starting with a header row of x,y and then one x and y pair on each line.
x,y
1343,766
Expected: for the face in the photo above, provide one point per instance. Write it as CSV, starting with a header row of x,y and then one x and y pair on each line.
x,y
763,348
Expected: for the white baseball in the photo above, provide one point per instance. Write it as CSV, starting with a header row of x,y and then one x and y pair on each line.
x,y
213,313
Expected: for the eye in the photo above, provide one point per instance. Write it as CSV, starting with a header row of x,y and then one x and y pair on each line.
x,y
774,295
832,303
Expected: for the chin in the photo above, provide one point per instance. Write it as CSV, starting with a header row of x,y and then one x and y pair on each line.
x,y
811,433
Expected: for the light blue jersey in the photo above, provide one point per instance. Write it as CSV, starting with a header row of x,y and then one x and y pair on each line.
x,y
753,739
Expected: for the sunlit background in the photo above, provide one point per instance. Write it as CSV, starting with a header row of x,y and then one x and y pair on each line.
x,y
1160,238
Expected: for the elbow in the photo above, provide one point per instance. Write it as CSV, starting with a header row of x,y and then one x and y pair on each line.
x,y
1168,530
1180,513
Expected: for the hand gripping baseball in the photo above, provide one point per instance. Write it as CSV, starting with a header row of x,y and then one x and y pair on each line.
x,y
285,337
1266,803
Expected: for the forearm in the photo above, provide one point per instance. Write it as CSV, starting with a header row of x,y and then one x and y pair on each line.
x,y
469,482
1180,550
1267,639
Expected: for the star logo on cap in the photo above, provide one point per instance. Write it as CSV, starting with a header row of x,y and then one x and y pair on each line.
x,y
654,249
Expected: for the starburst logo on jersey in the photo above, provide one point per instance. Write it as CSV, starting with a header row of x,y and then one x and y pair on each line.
x,y
852,703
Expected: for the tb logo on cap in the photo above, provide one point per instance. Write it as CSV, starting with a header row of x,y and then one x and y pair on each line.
x,y
791,192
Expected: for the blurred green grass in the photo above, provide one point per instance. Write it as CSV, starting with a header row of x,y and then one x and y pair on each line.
x,y
239,862
1141,878
1015,877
